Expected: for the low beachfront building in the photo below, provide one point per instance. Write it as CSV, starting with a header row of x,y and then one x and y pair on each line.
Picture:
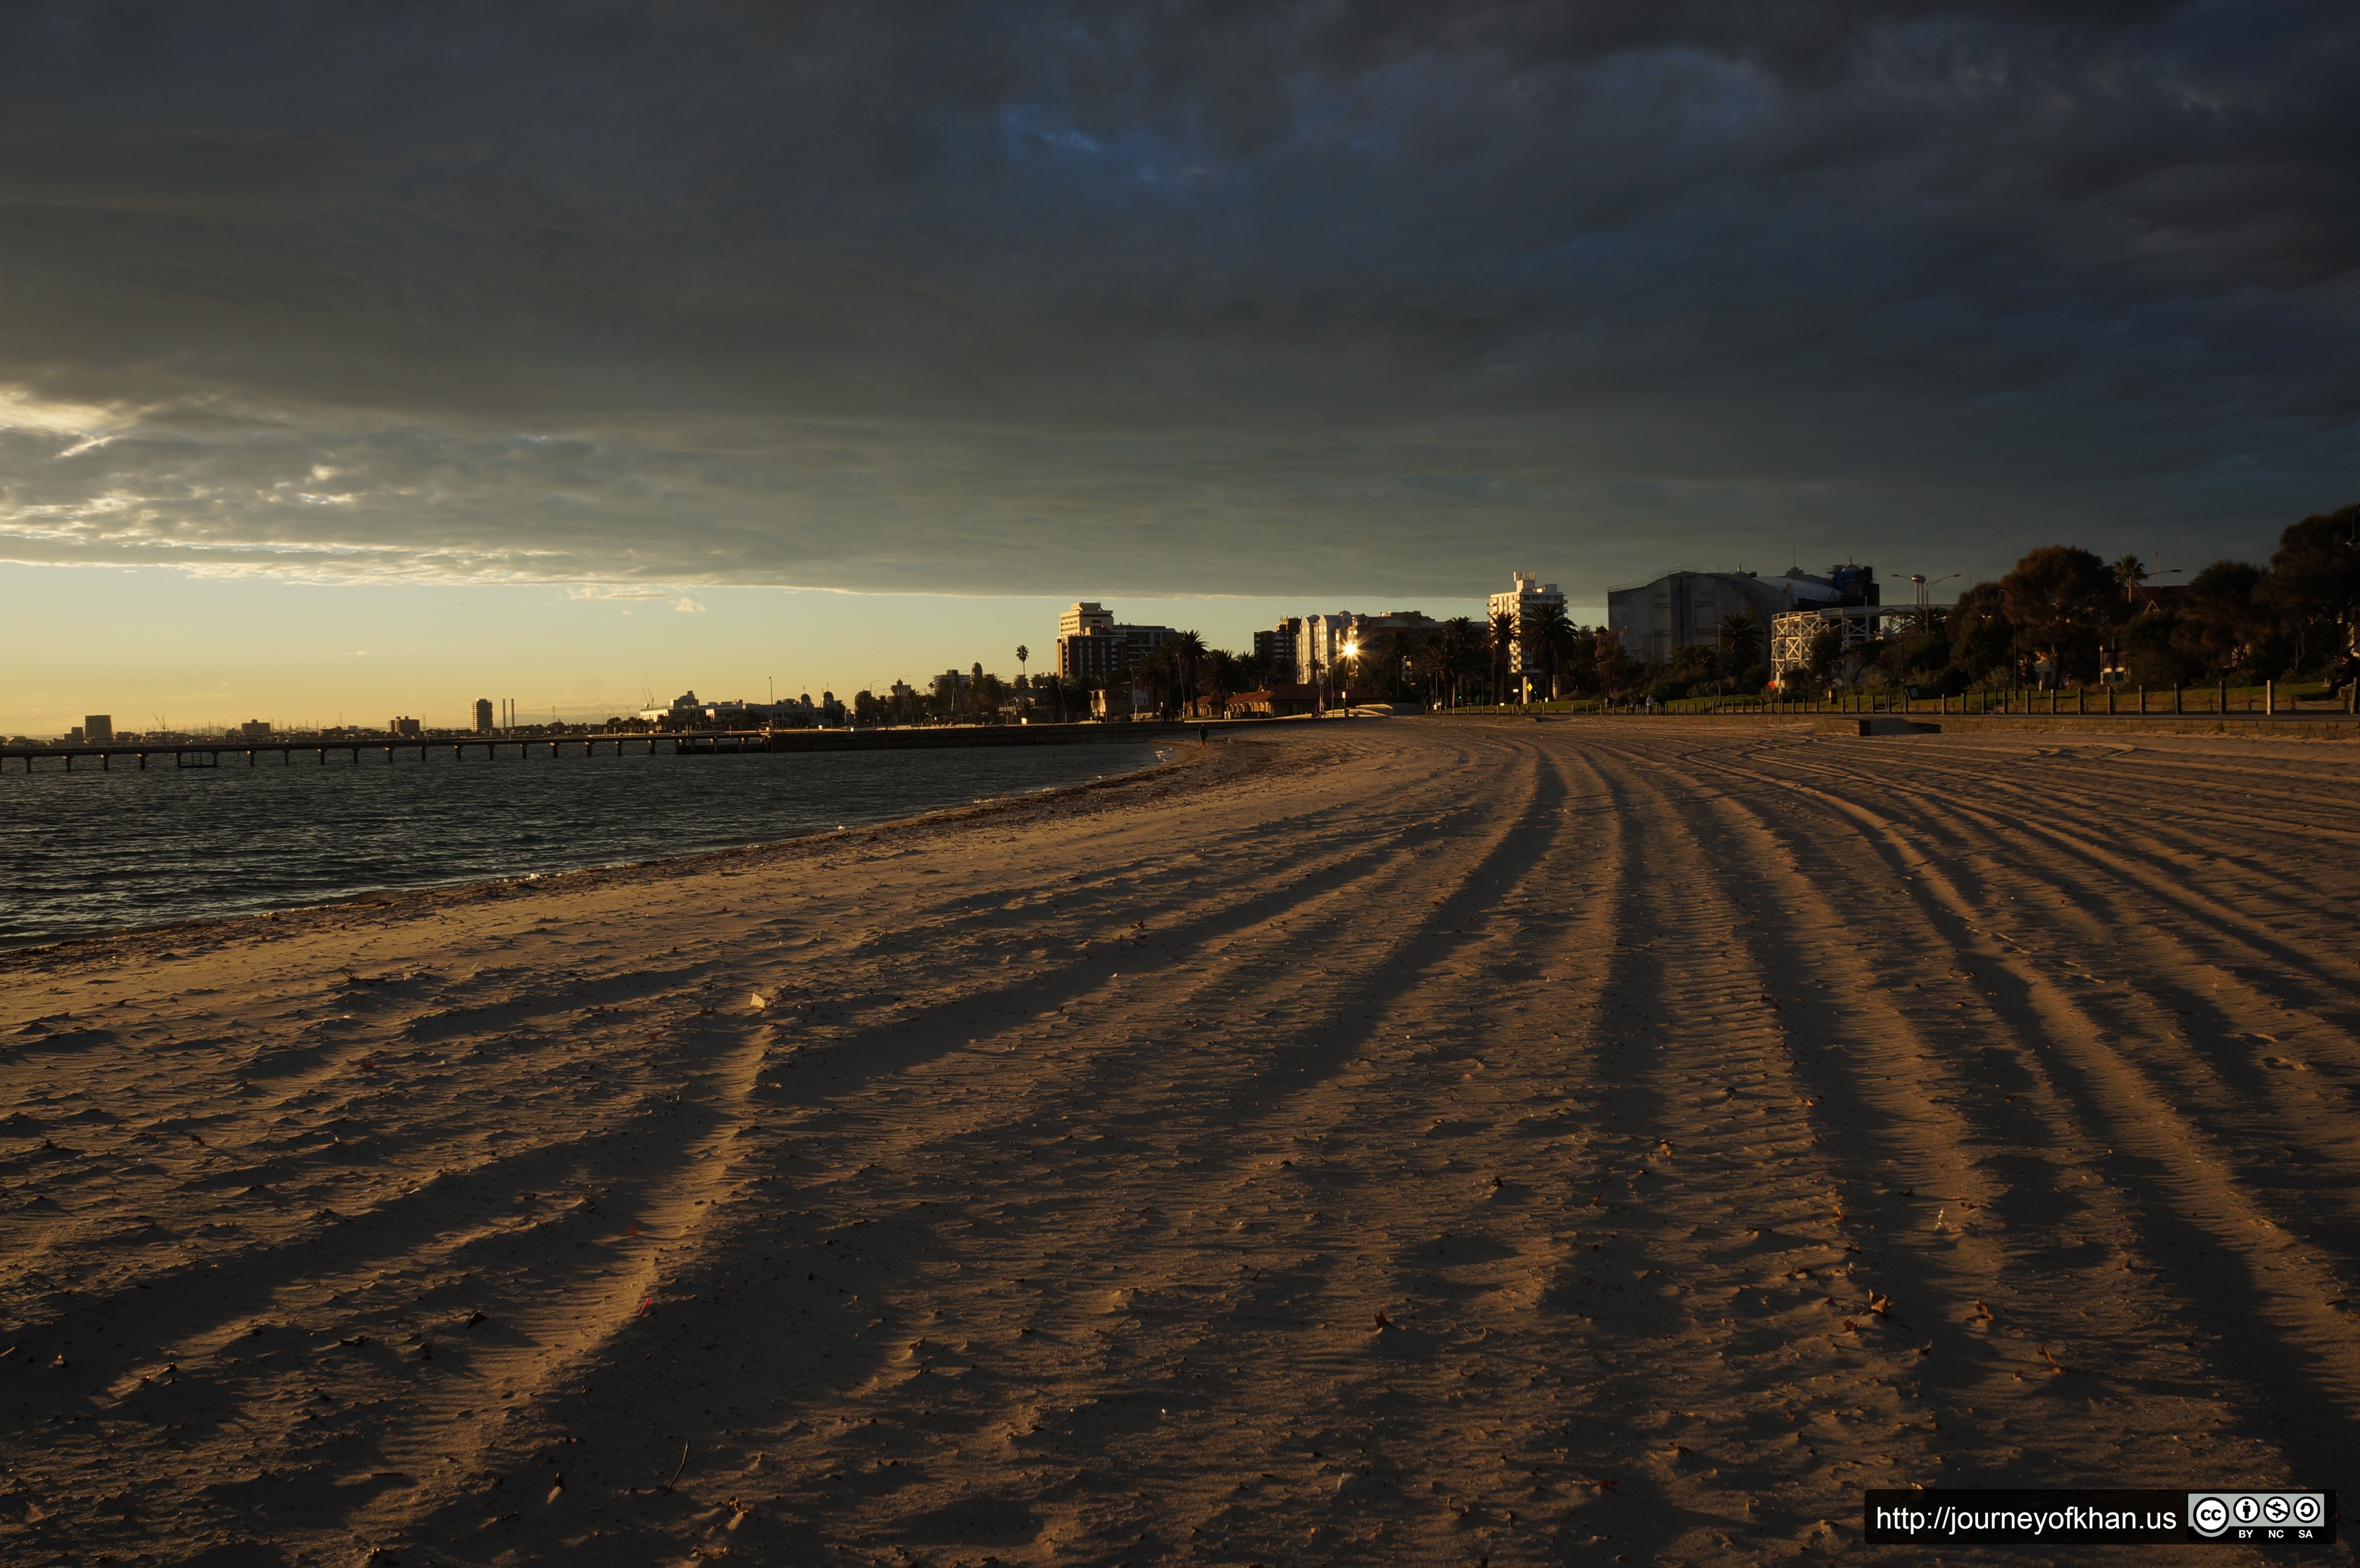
x,y
1273,701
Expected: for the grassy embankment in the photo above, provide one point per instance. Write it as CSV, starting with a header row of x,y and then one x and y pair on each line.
x,y
2312,696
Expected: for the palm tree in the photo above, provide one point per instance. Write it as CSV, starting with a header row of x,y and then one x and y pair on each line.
x,y
1188,654
1504,638
1157,672
1740,637
1548,639
1461,653
1224,674
2129,573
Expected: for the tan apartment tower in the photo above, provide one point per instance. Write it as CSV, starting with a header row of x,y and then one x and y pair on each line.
x,y
1087,647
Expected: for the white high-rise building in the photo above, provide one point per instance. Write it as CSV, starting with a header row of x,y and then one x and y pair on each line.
x,y
1529,597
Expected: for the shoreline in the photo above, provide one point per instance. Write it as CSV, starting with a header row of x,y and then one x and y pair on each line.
x,y
388,901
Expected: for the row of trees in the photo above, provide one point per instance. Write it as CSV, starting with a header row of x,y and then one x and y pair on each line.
x,y
2064,617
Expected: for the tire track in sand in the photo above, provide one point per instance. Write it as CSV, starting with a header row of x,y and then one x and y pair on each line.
x,y
2168,1202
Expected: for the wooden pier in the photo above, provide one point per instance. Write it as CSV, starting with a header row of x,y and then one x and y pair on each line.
x,y
209,753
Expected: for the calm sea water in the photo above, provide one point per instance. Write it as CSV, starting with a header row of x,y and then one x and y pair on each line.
x,y
88,852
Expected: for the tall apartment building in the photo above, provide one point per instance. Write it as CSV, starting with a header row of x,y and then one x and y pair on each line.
x,y
1275,647
1529,598
1092,645
483,716
403,727
98,729
1139,641
255,729
1088,649
1321,642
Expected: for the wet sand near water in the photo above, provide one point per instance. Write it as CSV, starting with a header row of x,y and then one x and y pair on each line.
x,y
1403,1142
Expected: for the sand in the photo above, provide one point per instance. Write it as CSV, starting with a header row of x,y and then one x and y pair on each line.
x,y
1406,1141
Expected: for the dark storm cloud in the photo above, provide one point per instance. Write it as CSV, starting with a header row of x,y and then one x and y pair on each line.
x,y
1168,296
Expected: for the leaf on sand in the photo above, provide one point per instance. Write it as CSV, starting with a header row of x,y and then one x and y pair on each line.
x,y
1383,1322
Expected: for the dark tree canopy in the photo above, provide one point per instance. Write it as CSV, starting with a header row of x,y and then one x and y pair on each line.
x,y
1981,638
2224,622
2315,582
2061,598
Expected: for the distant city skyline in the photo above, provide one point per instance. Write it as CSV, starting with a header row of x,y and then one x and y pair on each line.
x,y
374,330
142,644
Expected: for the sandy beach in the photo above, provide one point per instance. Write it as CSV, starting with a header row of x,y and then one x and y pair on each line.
x,y
1417,1142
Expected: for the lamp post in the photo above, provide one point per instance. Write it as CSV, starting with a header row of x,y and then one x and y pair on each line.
x,y
1352,653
